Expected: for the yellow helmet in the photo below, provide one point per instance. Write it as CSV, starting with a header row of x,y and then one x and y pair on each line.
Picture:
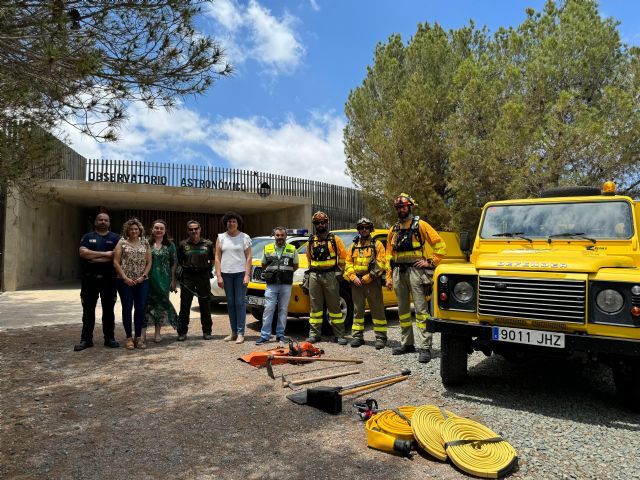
x,y
319,216
404,199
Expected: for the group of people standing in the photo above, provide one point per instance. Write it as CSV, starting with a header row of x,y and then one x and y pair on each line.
x,y
144,272
405,263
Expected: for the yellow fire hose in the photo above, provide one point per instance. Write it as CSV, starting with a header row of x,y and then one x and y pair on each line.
x,y
390,431
477,450
426,424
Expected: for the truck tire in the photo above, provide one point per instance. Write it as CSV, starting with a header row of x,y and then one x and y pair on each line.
x,y
626,376
257,313
453,361
346,305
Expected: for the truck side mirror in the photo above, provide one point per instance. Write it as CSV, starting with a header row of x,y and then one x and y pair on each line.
x,y
465,244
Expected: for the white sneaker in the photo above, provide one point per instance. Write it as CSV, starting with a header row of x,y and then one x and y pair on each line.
x,y
230,338
240,339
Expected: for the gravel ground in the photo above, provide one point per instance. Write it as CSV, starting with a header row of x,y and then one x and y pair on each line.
x,y
192,410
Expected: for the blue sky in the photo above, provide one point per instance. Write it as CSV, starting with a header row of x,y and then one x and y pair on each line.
x,y
296,61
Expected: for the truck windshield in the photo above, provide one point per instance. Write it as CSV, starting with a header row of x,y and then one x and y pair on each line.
x,y
584,220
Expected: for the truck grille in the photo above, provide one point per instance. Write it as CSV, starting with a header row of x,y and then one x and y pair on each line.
x,y
256,275
532,298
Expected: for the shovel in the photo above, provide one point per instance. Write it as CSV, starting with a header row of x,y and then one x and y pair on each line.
x,y
287,359
329,399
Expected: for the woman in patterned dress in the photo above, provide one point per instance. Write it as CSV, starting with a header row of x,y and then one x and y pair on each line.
x,y
132,261
162,281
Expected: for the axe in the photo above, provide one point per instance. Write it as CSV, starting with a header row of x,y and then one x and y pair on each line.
x,y
305,360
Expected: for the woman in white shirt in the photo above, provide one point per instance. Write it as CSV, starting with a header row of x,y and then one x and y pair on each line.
x,y
233,268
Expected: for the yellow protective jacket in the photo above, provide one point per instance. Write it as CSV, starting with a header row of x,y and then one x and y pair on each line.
x,y
428,235
359,264
330,262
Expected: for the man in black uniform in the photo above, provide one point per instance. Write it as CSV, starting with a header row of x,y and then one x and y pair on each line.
x,y
195,259
98,280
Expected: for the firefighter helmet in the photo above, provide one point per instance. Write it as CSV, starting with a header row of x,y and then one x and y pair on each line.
x,y
404,199
365,222
319,216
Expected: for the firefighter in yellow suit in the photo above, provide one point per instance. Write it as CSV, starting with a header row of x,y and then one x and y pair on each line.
x,y
326,254
365,265
409,272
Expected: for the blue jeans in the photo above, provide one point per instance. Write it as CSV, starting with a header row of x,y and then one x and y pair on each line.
x,y
236,294
132,297
275,294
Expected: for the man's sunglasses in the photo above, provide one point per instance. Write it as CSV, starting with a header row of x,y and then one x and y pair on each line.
x,y
364,228
320,222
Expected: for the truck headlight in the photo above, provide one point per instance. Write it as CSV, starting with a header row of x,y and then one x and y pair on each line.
x,y
463,292
609,301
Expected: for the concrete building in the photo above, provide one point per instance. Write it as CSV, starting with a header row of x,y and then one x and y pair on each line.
x,y
39,237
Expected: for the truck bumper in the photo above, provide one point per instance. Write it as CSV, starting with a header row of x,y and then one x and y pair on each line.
x,y
573,342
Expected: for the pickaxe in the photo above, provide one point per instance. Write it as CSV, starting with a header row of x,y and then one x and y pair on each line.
x,y
305,360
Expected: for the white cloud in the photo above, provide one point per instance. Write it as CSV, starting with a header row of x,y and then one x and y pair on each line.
x,y
314,5
253,32
313,151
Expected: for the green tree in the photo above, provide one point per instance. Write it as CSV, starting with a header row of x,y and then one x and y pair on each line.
x,y
83,61
552,102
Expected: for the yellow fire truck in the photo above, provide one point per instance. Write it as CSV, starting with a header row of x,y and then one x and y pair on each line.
x,y
555,275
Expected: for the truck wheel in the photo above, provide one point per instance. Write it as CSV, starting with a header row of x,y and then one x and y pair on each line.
x,y
626,376
257,313
346,305
453,361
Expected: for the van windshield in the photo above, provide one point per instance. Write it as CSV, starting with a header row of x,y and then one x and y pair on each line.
x,y
552,221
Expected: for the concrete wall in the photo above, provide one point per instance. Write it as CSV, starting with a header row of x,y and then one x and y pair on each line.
x,y
41,243
291,217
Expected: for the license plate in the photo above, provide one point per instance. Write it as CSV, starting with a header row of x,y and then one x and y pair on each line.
x,y
528,337
253,300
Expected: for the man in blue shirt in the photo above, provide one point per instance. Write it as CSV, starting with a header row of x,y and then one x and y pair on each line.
x,y
98,280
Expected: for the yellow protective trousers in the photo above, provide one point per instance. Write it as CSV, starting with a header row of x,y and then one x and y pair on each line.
x,y
407,283
372,294
324,289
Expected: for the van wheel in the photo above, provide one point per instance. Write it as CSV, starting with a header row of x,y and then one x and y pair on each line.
x,y
346,306
453,361
257,313
626,376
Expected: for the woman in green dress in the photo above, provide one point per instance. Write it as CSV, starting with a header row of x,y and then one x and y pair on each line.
x,y
162,280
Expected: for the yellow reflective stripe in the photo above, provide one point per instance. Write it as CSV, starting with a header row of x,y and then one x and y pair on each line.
x,y
337,321
380,329
315,321
359,320
335,315
421,324
421,316
406,324
440,248
357,328
404,316
379,322
316,314
324,263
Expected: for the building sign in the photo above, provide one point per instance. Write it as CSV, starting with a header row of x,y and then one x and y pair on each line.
x,y
162,180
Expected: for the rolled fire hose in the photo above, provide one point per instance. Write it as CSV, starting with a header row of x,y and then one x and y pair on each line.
x,y
391,432
426,424
477,450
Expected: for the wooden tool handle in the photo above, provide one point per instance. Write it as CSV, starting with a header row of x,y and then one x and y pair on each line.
x,y
373,385
323,377
315,359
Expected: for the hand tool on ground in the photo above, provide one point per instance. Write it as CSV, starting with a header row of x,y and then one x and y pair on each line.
x,y
366,409
302,349
271,358
329,399
294,383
